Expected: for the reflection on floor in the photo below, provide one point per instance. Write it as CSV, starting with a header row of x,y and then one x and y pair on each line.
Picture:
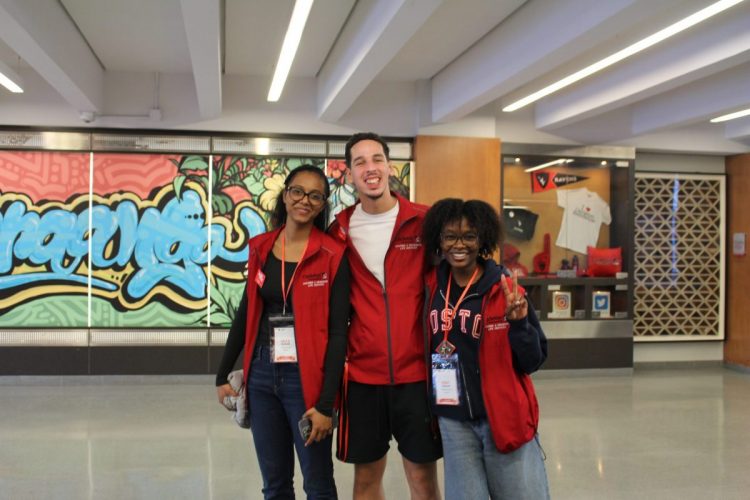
x,y
653,434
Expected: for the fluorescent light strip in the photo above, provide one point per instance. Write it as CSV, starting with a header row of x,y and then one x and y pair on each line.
x,y
289,47
731,116
559,161
647,42
9,79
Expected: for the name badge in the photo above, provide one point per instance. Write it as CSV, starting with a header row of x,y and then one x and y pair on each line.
x,y
445,380
283,345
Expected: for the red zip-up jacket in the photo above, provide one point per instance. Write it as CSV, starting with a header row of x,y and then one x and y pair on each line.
x,y
385,343
508,394
310,301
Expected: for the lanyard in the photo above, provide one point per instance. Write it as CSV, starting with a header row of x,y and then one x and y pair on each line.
x,y
458,303
284,289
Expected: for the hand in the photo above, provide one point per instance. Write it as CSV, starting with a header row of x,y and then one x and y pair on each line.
x,y
223,392
322,426
516,305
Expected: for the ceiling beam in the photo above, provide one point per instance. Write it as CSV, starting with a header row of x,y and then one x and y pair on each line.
x,y
708,98
43,35
540,36
375,32
737,130
716,46
202,19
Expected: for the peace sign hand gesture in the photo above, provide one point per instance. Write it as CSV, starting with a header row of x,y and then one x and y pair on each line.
x,y
516,305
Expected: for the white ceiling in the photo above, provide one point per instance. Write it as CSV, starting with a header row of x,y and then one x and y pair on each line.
x,y
402,67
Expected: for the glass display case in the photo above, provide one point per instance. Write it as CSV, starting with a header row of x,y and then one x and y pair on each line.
x,y
568,224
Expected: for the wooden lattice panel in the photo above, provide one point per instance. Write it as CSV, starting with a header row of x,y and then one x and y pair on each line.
x,y
679,257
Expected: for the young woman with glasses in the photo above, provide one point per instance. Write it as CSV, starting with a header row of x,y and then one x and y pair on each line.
x,y
292,323
483,342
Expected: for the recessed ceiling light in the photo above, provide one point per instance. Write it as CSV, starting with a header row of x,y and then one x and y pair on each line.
x,y
731,116
262,145
647,42
289,47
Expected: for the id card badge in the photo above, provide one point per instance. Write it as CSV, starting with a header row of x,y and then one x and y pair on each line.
x,y
445,380
283,345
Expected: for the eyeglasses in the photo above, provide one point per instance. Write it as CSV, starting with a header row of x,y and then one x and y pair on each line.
x,y
450,239
297,194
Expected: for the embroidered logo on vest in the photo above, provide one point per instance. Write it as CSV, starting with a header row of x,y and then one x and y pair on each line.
x,y
408,243
496,324
315,280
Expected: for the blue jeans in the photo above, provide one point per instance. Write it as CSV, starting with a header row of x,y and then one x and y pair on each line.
x,y
276,405
474,469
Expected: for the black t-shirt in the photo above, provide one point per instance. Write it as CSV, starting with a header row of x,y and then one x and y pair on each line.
x,y
273,299
519,223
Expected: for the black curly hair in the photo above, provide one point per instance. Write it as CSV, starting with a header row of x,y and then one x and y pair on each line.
x,y
364,136
479,214
278,217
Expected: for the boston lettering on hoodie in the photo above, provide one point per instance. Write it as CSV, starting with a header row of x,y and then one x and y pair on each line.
x,y
466,335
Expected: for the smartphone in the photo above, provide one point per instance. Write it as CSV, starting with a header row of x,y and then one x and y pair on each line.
x,y
305,428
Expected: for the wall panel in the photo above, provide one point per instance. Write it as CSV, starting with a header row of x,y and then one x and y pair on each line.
x,y
457,167
737,345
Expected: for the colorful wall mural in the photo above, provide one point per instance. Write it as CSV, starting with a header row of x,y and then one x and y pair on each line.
x,y
159,256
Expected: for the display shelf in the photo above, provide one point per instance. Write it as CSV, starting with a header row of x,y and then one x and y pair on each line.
x,y
581,292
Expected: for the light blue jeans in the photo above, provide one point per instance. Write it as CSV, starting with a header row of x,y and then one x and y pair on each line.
x,y
475,470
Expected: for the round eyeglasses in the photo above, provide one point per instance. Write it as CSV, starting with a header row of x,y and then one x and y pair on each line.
x,y
297,194
450,239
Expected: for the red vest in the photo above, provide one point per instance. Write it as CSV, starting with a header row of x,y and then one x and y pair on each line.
x,y
385,335
509,396
311,290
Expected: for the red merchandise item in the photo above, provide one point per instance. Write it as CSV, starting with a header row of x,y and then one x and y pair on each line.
x,y
542,259
511,256
310,292
385,334
604,261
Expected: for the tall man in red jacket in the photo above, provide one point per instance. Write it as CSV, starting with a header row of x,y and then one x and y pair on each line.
x,y
386,391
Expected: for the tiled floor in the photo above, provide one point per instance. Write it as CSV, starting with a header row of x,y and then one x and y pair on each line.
x,y
654,434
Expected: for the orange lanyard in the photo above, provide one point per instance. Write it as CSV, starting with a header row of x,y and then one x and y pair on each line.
x,y
460,299
284,289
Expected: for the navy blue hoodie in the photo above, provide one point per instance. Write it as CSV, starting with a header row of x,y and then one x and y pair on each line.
x,y
524,336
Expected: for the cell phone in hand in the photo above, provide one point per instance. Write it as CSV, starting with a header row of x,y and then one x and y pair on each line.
x,y
305,428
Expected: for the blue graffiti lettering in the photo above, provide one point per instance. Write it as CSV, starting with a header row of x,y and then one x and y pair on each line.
x,y
164,246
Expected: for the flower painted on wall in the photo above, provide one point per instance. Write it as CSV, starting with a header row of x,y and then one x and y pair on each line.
x,y
336,170
273,186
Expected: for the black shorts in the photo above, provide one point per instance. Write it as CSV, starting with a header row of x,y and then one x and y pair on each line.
x,y
374,413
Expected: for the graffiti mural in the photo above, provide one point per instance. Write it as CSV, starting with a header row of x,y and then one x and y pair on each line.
x,y
43,266
343,192
165,236
252,185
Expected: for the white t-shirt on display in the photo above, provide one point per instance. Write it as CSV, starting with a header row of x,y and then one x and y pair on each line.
x,y
584,214
371,236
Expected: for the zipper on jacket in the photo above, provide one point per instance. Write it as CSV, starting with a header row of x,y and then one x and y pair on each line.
x,y
388,333
385,300
385,294
466,389
296,346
